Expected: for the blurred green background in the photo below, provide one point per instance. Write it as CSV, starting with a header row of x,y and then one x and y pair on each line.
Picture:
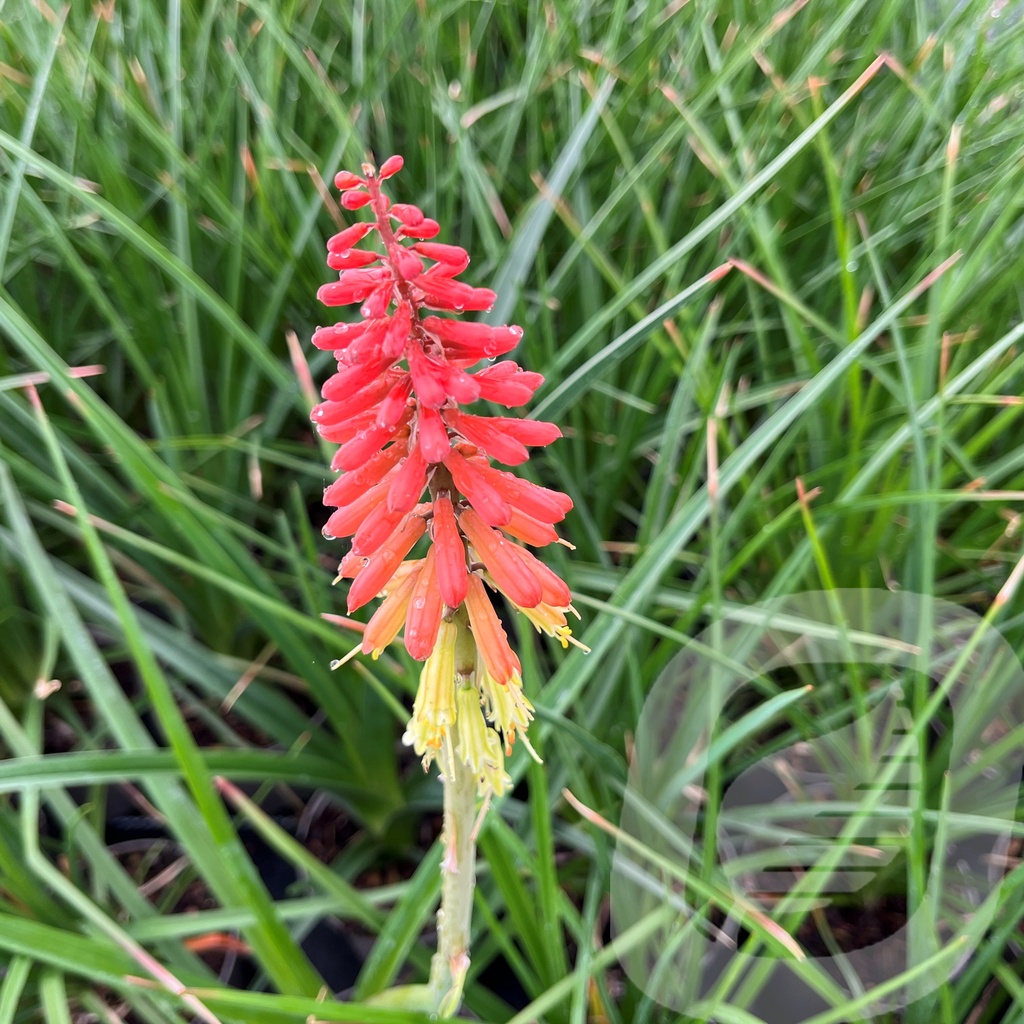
x,y
163,212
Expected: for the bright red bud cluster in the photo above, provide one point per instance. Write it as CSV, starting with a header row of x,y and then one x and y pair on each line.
x,y
412,461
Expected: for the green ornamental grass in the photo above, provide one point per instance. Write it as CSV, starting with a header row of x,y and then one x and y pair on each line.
x,y
768,263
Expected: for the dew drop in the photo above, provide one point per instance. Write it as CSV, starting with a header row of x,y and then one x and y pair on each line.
x,y
365,562
411,633
516,331
460,309
420,603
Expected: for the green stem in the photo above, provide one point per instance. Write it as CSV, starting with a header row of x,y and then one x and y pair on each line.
x,y
451,961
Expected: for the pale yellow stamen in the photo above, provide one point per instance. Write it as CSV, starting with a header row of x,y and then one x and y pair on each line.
x,y
434,710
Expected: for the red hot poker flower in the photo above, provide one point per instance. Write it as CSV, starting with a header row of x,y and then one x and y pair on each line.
x,y
394,408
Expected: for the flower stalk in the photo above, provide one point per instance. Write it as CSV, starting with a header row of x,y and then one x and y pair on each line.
x,y
416,471
458,879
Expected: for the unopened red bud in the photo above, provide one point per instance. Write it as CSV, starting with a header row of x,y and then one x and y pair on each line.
x,y
351,259
433,435
425,228
390,411
391,166
408,265
461,386
408,214
352,286
365,344
428,377
539,502
485,433
398,332
506,384
355,200
452,259
346,179
408,482
452,577
443,293
329,413
344,240
377,302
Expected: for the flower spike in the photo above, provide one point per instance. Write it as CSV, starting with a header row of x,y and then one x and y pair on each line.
x,y
415,467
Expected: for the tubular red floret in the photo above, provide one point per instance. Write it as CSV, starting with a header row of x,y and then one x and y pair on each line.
x,y
506,384
348,487
384,561
408,482
428,377
433,435
499,659
484,433
347,519
350,379
425,609
539,502
355,452
511,573
494,510
452,577
529,530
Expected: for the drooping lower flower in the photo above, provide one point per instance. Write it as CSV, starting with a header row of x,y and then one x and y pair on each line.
x,y
416,468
